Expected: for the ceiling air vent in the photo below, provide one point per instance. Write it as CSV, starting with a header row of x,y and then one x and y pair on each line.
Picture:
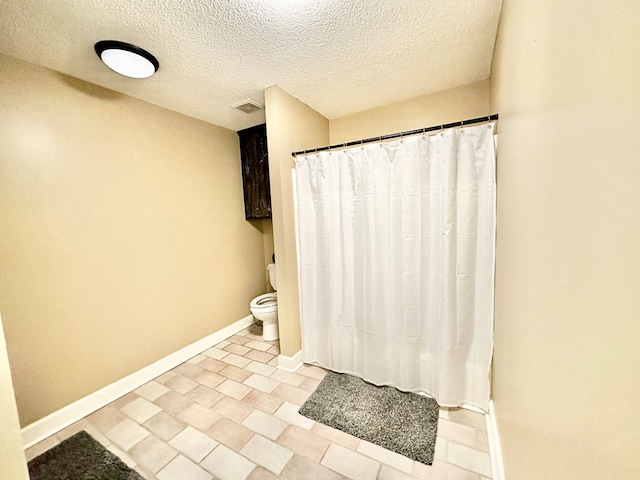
x,y
247,106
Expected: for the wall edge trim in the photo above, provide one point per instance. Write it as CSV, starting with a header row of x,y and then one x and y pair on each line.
x,y
56,421
495,451
290,364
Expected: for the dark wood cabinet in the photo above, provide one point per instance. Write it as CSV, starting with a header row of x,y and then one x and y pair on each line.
x,y
255,172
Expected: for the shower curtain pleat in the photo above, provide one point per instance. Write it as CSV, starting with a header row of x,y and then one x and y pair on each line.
x,y
396,262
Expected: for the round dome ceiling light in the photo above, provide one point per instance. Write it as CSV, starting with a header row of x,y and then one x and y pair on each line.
x,y
126,59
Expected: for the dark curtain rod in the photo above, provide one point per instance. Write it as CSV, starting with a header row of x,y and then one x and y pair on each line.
x,y
461,123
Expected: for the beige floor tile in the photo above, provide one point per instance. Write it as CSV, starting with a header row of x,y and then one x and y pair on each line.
x,y
382,455
264,384
151,390
208,378
41,447
441,470
292,379
310,384
152,454
226,464
140,410
128,461
216,353
238,339
253,332
230,433
181,468
303,449
269,454
289,413
143,473
457,432
260,356
260,368
165,377
236,360
291,394
126,434
260,473
336,436
235,373
274,350
469,458
173,402
237,349
212,364
74,428
106,417
350,464
197,359
124,400
467,417
265,424
312,371
205,396
441,449
263,401
482,441
164,426
443,412
389,473
180,384
193,444
199,417
187,369
233,389
258,345
303,442
302,468
232,408
85,425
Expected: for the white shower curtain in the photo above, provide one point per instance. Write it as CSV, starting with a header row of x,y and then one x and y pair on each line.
x,y
396,261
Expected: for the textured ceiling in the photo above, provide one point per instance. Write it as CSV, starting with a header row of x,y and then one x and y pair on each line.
x,y
338,56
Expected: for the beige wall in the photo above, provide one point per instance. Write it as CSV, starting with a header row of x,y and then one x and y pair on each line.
x,y
12,460
291,126
461,103
122,234
566,376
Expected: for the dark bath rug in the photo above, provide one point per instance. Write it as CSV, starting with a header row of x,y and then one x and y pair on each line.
x,y
402,422
80,457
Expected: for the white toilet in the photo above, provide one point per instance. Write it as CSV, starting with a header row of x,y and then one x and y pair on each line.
x,y
265,308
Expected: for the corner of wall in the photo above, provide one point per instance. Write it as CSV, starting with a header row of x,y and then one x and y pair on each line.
x,y
291,126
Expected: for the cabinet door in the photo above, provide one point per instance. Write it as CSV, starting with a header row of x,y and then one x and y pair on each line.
x,y
255,172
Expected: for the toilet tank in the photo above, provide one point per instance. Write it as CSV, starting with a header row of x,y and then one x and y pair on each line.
x,y
272,274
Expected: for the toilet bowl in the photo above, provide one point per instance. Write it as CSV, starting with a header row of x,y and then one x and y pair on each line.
x,y
265,307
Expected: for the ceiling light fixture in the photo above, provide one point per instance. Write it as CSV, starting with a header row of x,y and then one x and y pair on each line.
x,y
127,59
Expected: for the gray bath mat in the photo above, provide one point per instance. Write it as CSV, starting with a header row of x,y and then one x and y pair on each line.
x,y
80,457
402,422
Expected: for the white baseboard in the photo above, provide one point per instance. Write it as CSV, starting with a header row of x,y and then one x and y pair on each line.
x,y
290,364
497,465
56,421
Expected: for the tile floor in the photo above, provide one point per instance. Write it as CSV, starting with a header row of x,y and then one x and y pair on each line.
x,y
228,413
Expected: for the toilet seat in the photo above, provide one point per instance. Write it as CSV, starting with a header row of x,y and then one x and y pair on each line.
x,y
265,301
